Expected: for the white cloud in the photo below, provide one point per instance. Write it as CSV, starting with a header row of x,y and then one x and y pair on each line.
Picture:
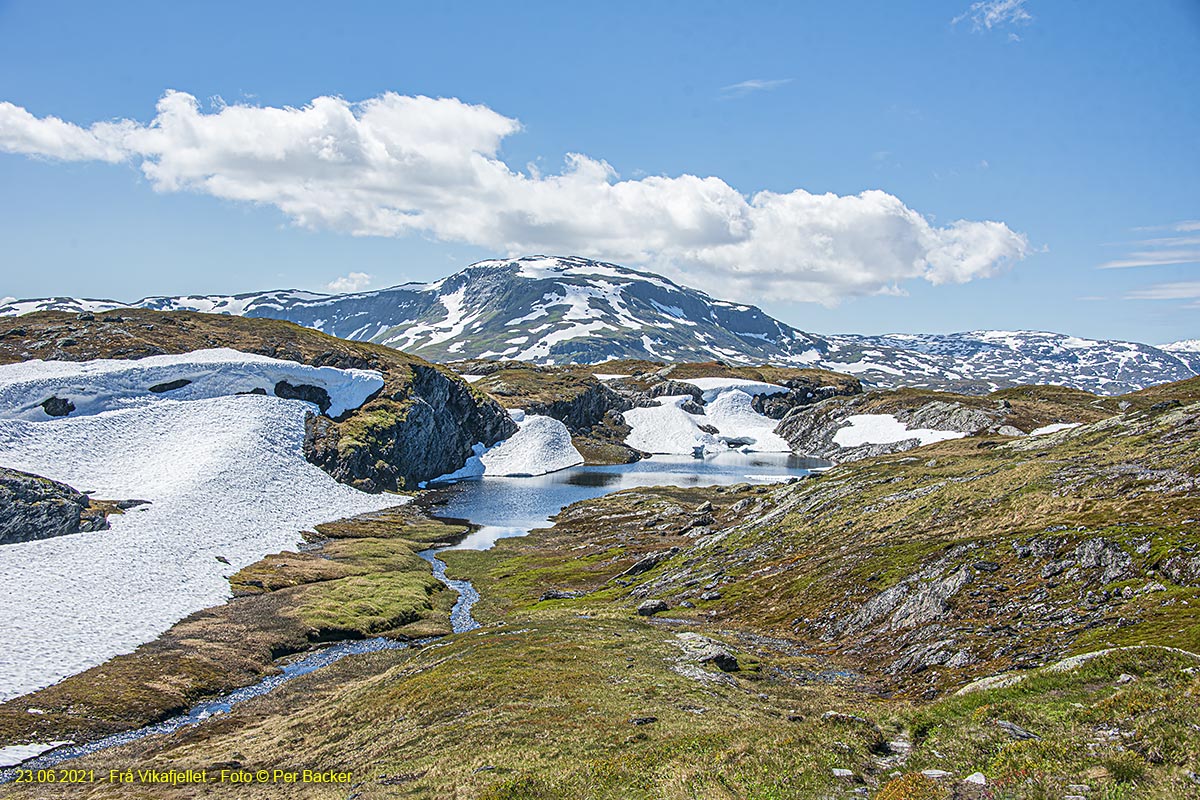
x,y
753,85
1162,250
1181,290
1183,226
988,14
354,282
396,165
1153,258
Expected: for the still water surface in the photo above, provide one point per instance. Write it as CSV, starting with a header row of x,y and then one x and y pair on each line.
x,y
505,507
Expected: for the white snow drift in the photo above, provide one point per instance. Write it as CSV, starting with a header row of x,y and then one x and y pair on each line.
x,y
863,429
103,384
226,476
541,445
669,429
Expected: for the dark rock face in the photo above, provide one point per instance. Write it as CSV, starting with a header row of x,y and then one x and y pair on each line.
x,y
304,391
584,411
169,386
801,392
32,507
425,433
670,388
57,406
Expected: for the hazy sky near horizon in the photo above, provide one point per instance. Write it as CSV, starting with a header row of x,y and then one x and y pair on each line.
x,y
850,167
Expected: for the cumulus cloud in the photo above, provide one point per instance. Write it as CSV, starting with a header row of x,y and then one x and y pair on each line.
x,y
354,282
988,14
397,165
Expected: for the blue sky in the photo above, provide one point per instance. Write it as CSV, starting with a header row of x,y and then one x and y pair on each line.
x,y
1076,125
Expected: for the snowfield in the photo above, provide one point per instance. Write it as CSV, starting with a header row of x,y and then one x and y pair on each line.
x,y
541,445
669,429
711,387
225,475
103,384
861,429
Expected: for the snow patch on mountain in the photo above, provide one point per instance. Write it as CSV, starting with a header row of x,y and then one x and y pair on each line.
x,y
711,387
574,310
225,476
1054,428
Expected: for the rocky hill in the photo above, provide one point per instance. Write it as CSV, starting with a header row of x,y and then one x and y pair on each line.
x,y
423,423
563,310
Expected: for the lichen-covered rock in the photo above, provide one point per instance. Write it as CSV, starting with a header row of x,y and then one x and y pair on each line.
x,y
33,507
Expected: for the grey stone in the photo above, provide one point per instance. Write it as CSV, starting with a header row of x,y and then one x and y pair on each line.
x,y
1015,731
648,562
649,608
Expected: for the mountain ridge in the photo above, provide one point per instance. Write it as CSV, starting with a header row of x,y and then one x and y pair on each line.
x,y
567,309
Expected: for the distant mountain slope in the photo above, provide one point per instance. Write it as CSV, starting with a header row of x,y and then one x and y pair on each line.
x,y
558,310
1187,351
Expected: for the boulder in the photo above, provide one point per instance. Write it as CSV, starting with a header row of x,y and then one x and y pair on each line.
x,y
651,607
647,563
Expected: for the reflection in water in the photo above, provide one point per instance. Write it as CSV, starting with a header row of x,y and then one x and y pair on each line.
x,y
505,507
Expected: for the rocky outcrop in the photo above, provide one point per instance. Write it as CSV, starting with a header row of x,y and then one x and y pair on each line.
x,y
803,389
409,437
583,411
33,507
801,392
811,430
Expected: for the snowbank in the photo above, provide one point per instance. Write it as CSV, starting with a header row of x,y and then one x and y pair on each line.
x,y
1055,428
14,754
101,385
540,445
712,387
226,476
669,429
864,429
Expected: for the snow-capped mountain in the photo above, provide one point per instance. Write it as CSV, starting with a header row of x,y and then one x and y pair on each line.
x,y
1187,351
573,310
984,360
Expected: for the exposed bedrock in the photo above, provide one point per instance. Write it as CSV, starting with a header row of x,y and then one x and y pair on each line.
x,y
411,436
33,507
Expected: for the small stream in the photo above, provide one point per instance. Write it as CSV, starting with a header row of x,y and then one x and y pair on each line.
x,y
460,620
500,508
460,616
